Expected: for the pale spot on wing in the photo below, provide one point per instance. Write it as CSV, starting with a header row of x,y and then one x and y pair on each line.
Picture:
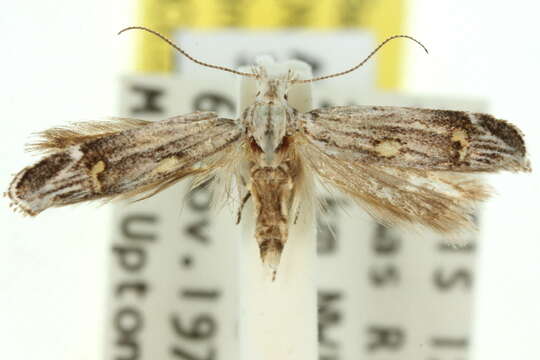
x,y
96,169
388,148
459,136
166,165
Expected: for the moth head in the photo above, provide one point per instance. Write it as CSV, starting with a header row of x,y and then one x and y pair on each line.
x,y
272,91
272,88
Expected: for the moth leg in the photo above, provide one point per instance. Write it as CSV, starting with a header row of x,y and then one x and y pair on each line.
x,y
244,201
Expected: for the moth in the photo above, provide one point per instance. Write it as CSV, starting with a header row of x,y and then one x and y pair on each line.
x,y
402,165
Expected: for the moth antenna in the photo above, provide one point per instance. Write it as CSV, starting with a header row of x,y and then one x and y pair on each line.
x,y
363,61
183,52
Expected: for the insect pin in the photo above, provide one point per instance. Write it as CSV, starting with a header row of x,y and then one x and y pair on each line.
x,y
404,166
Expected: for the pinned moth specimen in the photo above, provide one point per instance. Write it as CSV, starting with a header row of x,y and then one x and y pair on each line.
x,y
402,165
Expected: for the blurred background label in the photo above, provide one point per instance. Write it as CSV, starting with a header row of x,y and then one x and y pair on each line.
x,y
382,294
381,17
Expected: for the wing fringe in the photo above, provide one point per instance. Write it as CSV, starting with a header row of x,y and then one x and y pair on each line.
x,y
441,201
59,138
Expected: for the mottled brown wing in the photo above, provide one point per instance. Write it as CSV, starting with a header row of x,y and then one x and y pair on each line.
x,y
409,165
92,162
439,200
413,138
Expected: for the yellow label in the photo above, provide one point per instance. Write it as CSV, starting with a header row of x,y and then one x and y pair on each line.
x,y
383,17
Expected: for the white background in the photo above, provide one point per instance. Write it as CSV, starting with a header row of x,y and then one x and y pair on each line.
x,y
59,62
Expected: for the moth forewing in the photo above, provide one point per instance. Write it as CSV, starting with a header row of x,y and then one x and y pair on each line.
x,y
433,140
409,166
87,165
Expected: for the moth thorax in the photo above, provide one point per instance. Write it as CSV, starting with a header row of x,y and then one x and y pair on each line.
x,y
269,124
